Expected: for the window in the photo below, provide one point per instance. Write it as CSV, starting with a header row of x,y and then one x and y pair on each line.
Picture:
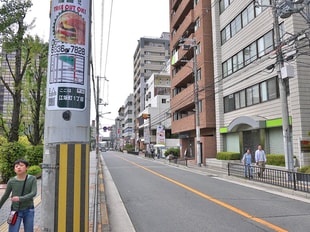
x,y
224,4
163,100
263,91
261,5
198,49
252,95
227,32
250,53
240,60
255,92
237,100
197,24
272,89
249,100
236,25
242,99
198,74
227,68
229,103
265,44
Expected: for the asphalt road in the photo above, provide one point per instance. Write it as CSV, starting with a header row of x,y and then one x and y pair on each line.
x,y
160,197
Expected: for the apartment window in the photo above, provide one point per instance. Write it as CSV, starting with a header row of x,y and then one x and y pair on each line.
x,y
248,15
224,4
229,103
198,74
236,25
227,68
227,33
197,24
265,44
198,49
200,106
164,101
272,88
263,92
261,6
250,53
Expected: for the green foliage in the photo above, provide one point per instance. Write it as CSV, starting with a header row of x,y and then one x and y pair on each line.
x,y
10,152
276,159
305,170
23,140
3,140
129,147
227,155
175,151
34,154
34,170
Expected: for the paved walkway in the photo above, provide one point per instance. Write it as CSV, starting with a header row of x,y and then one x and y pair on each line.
x,y
92,183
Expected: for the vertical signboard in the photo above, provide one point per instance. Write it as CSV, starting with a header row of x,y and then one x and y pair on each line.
x,y
68,55
160,135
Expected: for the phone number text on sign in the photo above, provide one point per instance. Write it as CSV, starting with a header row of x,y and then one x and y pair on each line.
x,y
61,48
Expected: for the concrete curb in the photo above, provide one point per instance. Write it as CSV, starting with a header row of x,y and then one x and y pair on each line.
x,y
118,216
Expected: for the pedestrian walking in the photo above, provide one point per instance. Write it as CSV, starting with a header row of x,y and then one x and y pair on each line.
x,y
247,161
23,188
260,159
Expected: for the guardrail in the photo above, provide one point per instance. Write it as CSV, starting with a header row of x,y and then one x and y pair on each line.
x,y
286,179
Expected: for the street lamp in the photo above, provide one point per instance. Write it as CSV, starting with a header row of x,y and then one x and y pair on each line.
x,y
196,91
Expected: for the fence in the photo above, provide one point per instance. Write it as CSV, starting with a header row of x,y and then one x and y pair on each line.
x,y
286,179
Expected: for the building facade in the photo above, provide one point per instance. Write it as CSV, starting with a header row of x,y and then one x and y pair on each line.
x,y
191,64
155,129
128,121
150,57
248,82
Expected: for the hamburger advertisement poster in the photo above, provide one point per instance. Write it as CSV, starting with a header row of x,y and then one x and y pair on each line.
x,y
68,55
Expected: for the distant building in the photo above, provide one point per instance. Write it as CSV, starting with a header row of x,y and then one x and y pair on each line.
x,y
150,57
157,106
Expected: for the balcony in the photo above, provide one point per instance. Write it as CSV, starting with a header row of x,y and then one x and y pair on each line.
x,y
186,25
183,99
182,10
183,124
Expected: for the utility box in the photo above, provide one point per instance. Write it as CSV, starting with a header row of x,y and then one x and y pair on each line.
x,y
287,71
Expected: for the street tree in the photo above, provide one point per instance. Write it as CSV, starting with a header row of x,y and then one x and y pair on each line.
x,y
34,90
13,29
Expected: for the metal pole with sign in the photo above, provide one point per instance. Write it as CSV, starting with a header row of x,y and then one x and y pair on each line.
x,y
65,176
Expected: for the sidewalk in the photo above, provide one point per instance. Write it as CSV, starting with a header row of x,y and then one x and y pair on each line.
x,y
37,201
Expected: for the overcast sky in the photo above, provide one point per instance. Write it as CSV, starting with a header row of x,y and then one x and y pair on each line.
x,y
130,21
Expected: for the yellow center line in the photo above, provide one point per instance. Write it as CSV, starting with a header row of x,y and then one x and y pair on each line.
x,y
214,200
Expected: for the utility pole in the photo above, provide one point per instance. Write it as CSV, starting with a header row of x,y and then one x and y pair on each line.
x,y
65,175
193,45
196,99
286,131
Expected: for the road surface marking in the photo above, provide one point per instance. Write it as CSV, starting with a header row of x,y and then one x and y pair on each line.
x,y
214,200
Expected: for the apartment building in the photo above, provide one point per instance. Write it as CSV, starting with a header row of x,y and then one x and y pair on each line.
x,y
248,82
192,59
150,57
128,121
